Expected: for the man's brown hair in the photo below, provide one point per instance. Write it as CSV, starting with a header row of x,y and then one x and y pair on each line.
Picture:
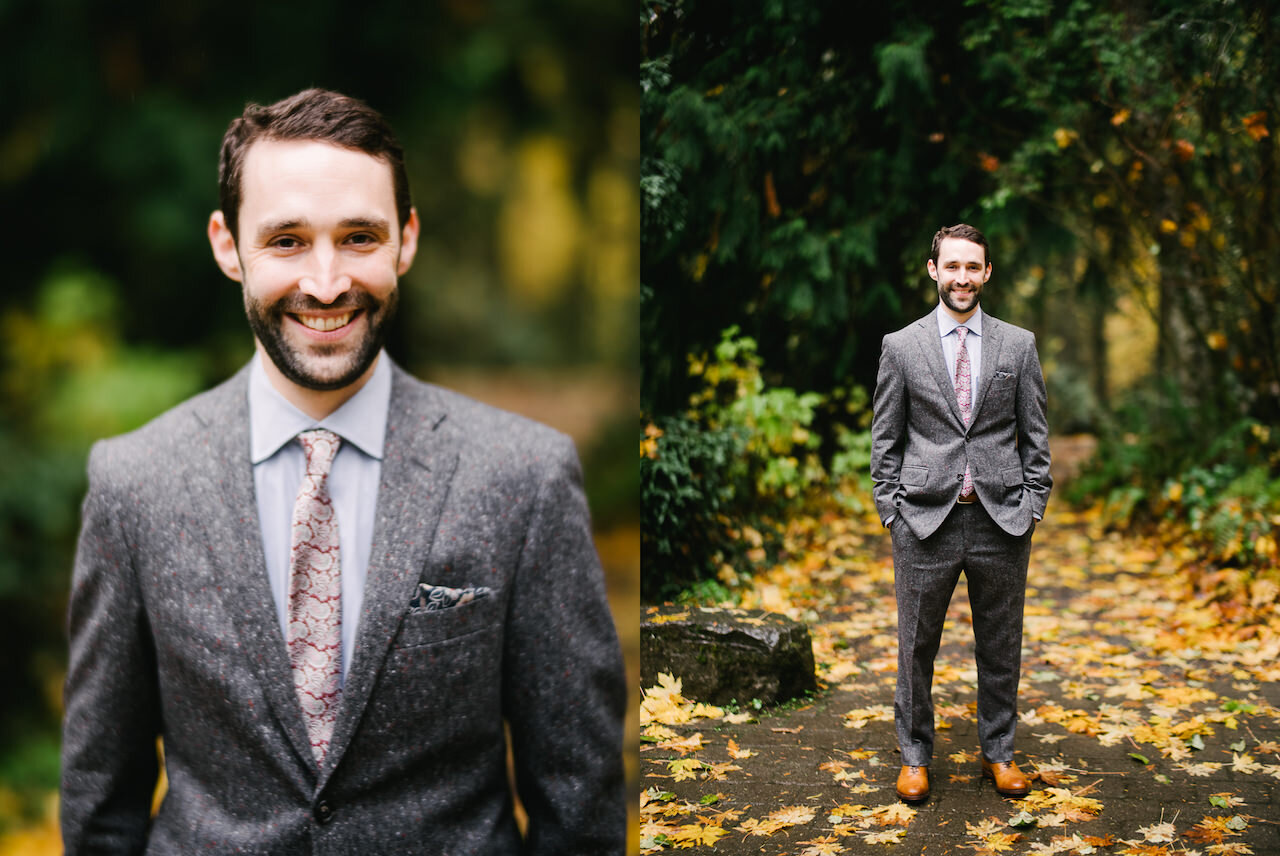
x,y
964,232
313,114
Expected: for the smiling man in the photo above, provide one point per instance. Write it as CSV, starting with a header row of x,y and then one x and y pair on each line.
x,y
960,461
330,589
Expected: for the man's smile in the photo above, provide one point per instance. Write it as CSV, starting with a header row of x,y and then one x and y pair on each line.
x,y
324,323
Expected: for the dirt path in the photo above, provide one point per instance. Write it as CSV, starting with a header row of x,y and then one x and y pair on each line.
x,y
1150,719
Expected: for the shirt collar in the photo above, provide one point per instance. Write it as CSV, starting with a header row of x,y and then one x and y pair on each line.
x,y
361,421
946,323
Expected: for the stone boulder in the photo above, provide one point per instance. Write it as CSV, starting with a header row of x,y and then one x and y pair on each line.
x,y
727,654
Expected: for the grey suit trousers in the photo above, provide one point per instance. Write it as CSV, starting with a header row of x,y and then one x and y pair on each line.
x,y
925,576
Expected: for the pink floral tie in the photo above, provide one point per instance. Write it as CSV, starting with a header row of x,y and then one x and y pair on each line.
x,y
315,593
964,395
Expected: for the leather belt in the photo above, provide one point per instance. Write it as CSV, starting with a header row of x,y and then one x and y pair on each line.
x,y
969,500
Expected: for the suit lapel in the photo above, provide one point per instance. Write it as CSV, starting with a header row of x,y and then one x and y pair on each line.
x,y
992,338
417,467
223,496
931,346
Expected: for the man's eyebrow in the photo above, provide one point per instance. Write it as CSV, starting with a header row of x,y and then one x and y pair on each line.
x,y
374,224
274,227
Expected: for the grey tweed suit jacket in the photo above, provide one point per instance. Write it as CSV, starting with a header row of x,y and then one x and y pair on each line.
x,y
920,444
174,634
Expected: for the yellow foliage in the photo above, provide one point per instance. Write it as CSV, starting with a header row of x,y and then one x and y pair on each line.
x,y
1256,125
539,225
696,834
41,839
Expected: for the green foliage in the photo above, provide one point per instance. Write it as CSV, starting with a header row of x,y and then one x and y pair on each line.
x,y
30,773
1155,466
68,378
773,421
791,181
1150,143
715,479
685,494
1122,158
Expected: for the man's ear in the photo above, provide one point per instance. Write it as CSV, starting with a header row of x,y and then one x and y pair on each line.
x,y
986,276
933,270
224,246
408,243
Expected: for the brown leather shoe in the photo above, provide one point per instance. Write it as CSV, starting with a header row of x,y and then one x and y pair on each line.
x,y
913,783
1008,778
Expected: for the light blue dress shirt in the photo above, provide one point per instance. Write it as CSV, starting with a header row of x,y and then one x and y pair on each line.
x,y
972,343
279,465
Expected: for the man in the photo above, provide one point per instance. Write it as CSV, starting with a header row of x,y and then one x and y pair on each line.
x,y
328,586
960,461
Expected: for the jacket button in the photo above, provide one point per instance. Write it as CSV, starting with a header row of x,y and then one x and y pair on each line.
x,y
960,477
324,812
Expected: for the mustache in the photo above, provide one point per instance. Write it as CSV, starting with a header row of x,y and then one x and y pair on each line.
x,y
297,302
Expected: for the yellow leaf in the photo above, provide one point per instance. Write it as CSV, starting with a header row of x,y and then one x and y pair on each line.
x,y
1157,832
792,815
1256,125
660,732
827,845
754,826
685,768
1002,841
683,745
718,772
695,834
1242,762
894,814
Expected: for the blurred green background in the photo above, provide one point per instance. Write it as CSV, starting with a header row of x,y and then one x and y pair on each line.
x,y
797,157
520,123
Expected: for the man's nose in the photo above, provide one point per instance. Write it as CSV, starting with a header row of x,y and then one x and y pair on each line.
x,y
324,279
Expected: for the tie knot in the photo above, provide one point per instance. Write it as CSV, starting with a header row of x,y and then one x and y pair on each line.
x,y
320,446
962,331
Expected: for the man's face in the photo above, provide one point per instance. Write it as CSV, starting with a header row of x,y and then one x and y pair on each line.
x,y
960,272
318,253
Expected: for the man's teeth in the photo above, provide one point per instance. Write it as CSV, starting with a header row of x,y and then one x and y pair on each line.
x,y
324,324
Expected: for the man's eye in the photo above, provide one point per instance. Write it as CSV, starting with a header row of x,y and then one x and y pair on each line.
x,y
286,243
361,238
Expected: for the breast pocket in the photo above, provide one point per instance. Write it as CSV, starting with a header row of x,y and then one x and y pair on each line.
x,y
1003,380
444,671
422,626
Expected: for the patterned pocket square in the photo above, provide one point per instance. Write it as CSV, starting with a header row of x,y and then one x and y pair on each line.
x,y
431,597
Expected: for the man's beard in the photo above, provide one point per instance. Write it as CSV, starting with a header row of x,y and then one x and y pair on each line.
x,y
268,324
945,295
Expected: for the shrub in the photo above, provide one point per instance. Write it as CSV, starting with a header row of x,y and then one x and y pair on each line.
x,y
715,480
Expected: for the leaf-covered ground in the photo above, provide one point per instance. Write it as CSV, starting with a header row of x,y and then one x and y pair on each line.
x,y
1148,714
